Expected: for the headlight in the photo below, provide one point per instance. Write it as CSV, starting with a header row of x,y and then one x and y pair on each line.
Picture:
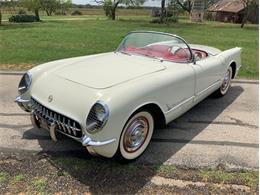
x,y
25,83
97,117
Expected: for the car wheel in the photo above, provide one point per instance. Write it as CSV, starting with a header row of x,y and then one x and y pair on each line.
x,y
226,83
135,136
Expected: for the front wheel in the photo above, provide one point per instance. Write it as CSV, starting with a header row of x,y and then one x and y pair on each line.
x,y
226,83
136,136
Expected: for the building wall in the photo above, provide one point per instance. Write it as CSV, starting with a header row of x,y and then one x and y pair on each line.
x,y
229,17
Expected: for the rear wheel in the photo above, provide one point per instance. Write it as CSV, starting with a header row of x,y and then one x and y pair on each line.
x,y
136,136
226,83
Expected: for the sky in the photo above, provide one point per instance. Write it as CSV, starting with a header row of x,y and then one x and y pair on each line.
x,y
152,3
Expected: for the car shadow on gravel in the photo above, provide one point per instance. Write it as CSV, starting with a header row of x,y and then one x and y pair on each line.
x,y
101,175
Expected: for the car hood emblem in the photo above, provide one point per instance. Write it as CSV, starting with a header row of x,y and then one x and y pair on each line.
x,y
50,98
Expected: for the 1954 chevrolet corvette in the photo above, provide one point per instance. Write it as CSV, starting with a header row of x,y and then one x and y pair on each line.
x,y
112,102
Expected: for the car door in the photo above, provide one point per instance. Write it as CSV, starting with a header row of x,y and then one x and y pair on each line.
x,y
208,74
179,93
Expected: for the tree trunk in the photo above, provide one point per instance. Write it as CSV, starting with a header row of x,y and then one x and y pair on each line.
x,y
188,8
47,12
0,17
162,11
113,11
245,16
36,11
243,22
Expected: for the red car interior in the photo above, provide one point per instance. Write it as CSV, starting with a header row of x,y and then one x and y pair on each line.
x,y
164,52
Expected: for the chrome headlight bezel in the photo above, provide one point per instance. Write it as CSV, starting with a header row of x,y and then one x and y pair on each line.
x,y
25,83
97,117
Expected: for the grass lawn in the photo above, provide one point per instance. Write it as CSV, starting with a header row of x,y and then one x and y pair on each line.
x,y
52,39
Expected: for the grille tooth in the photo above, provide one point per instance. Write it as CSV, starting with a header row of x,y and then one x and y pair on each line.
x,y
68,126
43,111
64,124
74,129
51,116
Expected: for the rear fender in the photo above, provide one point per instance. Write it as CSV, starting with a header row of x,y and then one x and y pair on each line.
x,y
232,56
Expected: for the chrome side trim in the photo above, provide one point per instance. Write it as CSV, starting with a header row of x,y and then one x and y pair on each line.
x,y
87,141
204,90
180,104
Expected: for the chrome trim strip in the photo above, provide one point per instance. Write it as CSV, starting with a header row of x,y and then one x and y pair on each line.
x,y
180,104
204,90
87,141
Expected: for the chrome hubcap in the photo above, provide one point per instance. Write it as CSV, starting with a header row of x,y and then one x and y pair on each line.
x,y
226,81
136,134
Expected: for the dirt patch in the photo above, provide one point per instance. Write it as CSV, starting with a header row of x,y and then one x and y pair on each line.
x,y
44,174
17,67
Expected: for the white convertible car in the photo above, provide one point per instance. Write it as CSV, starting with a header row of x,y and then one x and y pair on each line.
x,y
112,102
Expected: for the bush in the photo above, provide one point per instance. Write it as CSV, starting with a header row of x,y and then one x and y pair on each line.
x,y
58,13
155,21
22,12
23,18
76,13
172,19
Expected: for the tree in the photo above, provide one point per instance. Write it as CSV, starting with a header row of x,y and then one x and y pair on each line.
x,y
107,6
49,6
162,14
0,16
113,4
32,5
0,13
6,3
185,5
64,5
249,6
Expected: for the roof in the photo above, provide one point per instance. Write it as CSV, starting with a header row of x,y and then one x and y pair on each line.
x,y
233,6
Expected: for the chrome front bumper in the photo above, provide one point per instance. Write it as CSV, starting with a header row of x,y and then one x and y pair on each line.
x,y
26,105
85,140
23,104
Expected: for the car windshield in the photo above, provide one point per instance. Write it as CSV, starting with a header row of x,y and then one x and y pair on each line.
x,y
156,45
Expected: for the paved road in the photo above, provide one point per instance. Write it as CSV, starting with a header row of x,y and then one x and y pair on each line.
x,y
216,131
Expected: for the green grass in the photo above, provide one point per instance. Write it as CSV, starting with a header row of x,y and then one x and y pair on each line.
x,y
40,184
18,178
249,178
3,176
55,39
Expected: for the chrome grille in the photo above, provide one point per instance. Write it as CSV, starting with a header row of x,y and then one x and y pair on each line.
x,y
64,124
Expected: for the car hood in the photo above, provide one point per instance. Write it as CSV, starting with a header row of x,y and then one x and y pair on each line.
x,y
107,70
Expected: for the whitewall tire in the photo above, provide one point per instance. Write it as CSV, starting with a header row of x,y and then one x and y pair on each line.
x,y
225,84
136,135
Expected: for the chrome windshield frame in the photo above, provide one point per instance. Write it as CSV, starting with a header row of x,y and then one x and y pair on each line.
x,y
161,33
